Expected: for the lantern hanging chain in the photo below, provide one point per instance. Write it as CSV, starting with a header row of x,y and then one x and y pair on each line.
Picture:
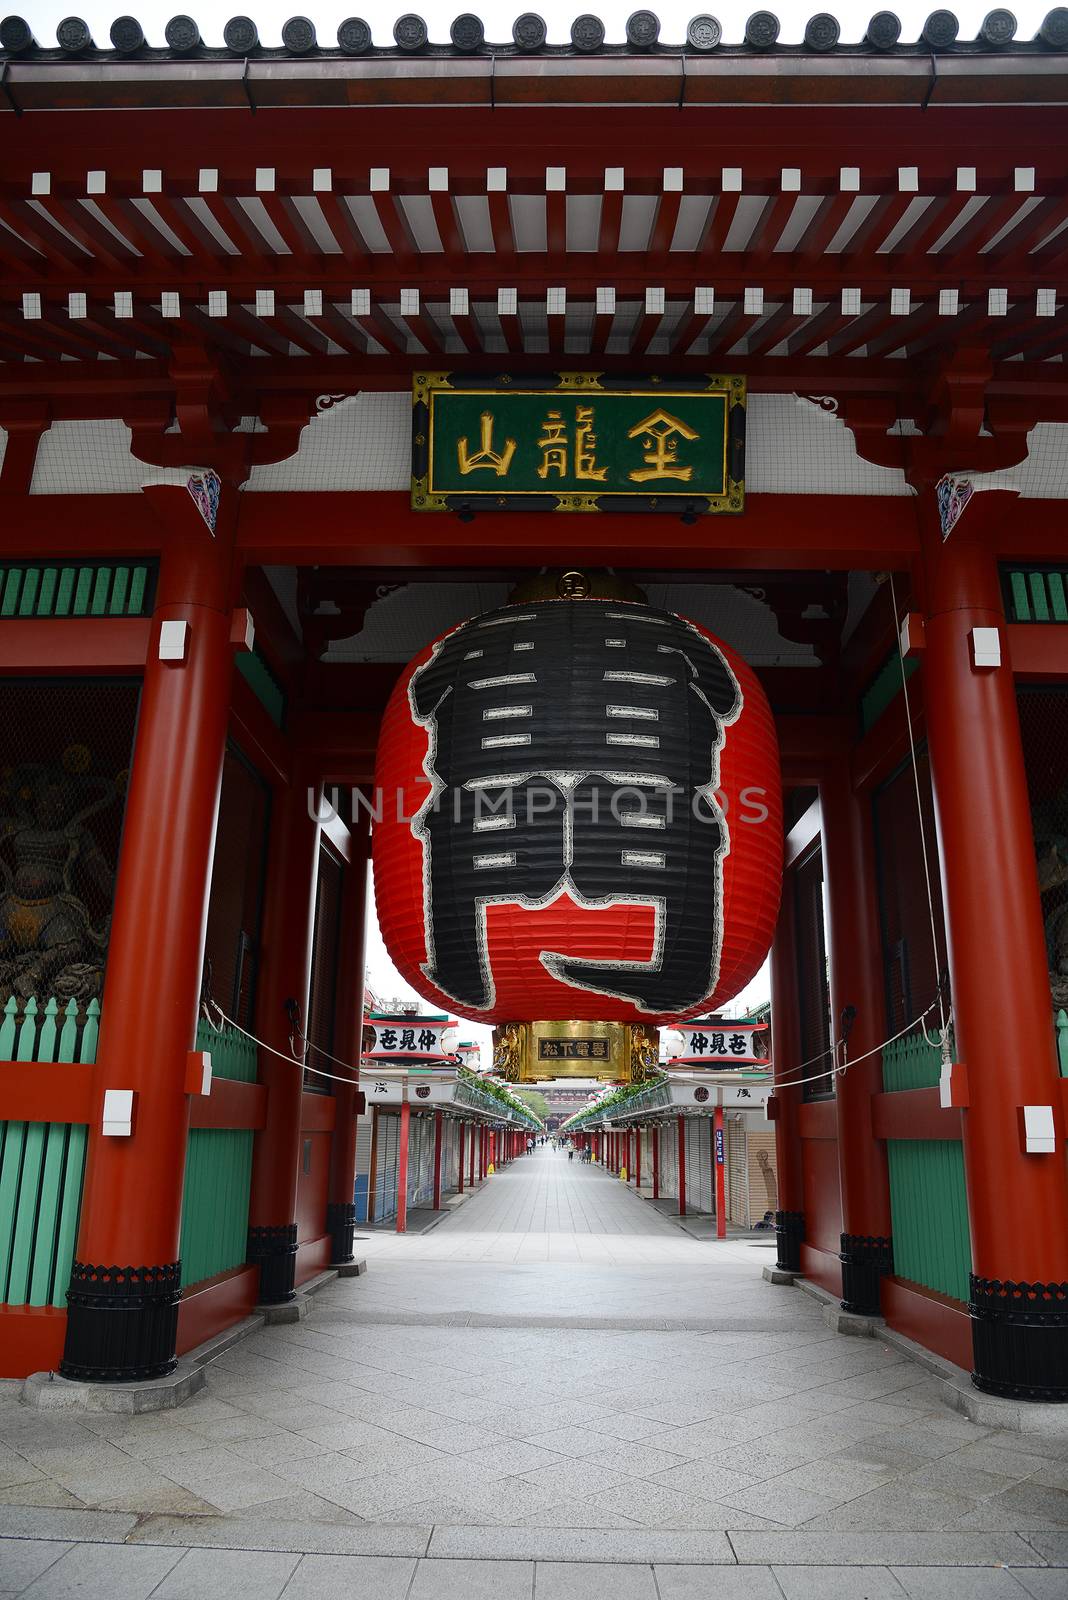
x,y
942,1017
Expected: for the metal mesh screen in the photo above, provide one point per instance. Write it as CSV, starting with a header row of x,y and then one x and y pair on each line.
x,y
1044,728
62,795
911,966
231,952
813,986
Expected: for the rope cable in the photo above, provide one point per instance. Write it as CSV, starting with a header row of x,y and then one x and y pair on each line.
x,y
944,1030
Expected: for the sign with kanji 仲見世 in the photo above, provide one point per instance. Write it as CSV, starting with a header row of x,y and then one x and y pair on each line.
x,y
405,1038
578,442
723,1044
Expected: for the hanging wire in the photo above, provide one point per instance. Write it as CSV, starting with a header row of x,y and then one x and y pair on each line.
x,y
944,1028
207,1006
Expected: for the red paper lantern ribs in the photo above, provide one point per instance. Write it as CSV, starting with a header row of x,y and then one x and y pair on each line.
x,y
580,817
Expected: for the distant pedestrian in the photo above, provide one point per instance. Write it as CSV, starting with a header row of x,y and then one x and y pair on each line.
x,y
571,1155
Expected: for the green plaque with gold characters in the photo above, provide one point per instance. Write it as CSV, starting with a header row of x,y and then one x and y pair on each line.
x,y
574,441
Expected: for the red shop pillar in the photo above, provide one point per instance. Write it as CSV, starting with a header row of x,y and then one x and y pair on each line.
x,y
281,1007
122,1320
637,1174
402,1166
437,1160
719,1162
341,1206
1017,1201
473,1141
788,1092
859,1014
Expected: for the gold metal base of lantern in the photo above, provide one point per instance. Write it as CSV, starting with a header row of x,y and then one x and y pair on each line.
x,y
613,1052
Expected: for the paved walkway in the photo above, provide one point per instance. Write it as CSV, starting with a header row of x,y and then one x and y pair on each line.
x,y
555,1378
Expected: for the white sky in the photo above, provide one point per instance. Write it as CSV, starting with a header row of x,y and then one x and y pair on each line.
x,y
388,984
269,15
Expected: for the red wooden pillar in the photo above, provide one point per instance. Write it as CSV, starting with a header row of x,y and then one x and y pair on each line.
x,y
402,1167
473,1141
656,1159
437,1160
682,1166
856,979
1017,1201
125,1327
285,977
637,1158
341,1207
460,1158
719,1161
788,1094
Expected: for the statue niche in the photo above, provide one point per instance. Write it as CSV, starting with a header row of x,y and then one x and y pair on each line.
x,y
55,885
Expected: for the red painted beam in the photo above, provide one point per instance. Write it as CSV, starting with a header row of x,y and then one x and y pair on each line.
x,y
913,1114
45,1092
838,531
1039,651
229,1105
43,646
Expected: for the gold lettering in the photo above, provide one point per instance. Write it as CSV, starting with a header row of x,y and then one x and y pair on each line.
x,y
660,434
485,456
586,447
553,446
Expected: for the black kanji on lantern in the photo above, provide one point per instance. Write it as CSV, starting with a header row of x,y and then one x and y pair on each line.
x,y
575,747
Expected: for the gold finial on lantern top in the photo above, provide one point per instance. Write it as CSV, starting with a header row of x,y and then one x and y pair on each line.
x,y
576,584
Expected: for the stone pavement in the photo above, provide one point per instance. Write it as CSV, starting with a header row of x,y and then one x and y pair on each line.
x,y
555,1379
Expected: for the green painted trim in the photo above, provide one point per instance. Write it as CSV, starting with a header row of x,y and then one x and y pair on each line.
x,y
1036,593
911,1063
218,1176
42,1166
69,1213
233,1054
884,688
104,589
929,1209
265,686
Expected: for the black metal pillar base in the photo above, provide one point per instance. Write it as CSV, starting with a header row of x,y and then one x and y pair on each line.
x,y
1020,1339
789,1233
274,1251
340,1225
122,1323
865,1260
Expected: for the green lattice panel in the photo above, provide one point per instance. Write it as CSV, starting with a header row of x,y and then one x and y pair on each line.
x,y
218,1173
929,1208
100,589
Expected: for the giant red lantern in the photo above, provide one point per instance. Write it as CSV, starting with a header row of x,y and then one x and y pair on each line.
x,y
580,816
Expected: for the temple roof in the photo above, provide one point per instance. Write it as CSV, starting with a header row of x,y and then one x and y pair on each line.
x,y
702,68
704,36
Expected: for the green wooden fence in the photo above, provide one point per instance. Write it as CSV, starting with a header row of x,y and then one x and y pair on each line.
x,y
42,1163
100,589
1036,594
929,1207
911,1063
928,1195
218,1171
